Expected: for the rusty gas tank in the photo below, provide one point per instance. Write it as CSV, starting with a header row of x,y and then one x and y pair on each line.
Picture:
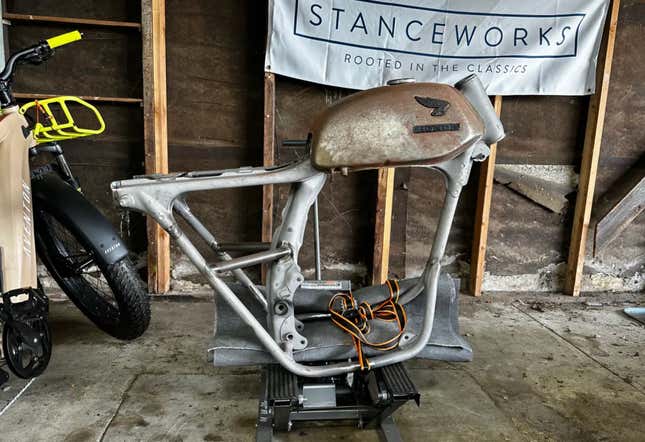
x,y
406,124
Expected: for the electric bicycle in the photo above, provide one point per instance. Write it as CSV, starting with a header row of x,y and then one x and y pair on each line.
x,y
44,211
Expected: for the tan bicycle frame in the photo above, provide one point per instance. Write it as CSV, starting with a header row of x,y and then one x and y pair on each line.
x,y
16,216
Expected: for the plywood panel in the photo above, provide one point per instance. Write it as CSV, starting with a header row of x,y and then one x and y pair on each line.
x,y
542,130
215,100
126,10
346,203
623,138
105,63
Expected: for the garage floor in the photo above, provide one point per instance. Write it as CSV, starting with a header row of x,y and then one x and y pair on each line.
x,y
545,369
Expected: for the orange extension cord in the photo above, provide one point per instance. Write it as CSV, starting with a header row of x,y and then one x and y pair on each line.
x,y
354,319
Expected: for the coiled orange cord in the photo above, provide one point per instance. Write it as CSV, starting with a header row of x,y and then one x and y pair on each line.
x,y
354,319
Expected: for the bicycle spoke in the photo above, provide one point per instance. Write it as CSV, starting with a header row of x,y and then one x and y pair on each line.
x,y
85,264
80,262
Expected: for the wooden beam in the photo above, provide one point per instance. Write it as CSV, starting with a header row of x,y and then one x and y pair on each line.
x,y
398,235
547,193
5,34
30,96
153,16
612,223
590,158
71,21
268,158
482,215
383,225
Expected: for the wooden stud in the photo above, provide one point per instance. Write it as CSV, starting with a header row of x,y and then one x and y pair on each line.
x,y
398,235
383,225
70,21
153,16
269,158
482,215
5,34
590,158
269,154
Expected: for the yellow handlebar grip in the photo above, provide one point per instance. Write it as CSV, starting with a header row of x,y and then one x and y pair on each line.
x,y
64,39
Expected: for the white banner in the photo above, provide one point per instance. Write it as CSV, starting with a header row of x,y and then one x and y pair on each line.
x,y
516,47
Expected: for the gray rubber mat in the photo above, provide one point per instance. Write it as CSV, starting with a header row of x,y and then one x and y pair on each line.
x,y
234,344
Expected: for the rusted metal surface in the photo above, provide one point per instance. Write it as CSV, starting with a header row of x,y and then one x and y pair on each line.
x,y
418,123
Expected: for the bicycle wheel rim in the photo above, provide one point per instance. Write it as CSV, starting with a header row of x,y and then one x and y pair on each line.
x,y
78,272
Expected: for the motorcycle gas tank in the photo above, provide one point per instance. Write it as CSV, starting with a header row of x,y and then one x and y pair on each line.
x,y
402,125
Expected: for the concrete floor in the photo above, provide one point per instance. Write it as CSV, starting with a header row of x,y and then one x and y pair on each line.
x,y
545,369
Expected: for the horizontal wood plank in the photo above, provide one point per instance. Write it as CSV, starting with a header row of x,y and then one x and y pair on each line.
x,y
71,21
31,96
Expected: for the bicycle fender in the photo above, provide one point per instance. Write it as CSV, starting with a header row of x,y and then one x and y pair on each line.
x,y
54,195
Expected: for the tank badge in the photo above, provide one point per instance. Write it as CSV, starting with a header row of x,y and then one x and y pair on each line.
x,y
431,128
440,106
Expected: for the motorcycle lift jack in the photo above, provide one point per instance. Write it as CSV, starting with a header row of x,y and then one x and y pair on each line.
x,y
369,398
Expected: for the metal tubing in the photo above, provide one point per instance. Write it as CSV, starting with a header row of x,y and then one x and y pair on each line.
x,y
182,208
245,246
284,277
474,91
353,412
317,241
304,317
456,173
431,281
135,193
247,317
158,203
251,260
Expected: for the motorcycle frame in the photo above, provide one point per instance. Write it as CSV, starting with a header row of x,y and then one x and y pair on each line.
x,y
163,196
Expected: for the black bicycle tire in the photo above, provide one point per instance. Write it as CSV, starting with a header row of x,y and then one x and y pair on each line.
x,y
132,317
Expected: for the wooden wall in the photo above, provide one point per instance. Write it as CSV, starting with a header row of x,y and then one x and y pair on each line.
x,y
215,99
215,54
624,138
528,244
106,63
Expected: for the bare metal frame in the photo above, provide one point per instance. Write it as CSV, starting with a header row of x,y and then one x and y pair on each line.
x,y
162,197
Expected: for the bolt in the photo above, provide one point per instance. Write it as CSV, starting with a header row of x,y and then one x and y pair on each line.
x,y
280,308
125,201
